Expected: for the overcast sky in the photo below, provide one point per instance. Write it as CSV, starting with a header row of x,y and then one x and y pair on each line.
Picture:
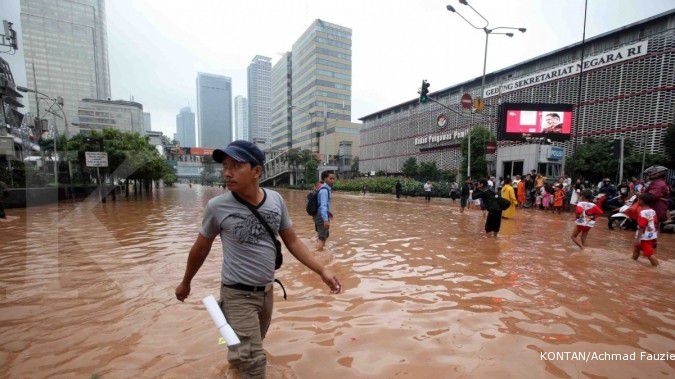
x,y
156,47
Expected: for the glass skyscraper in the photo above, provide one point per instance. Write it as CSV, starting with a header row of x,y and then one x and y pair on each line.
x,y
185,128
214,110
322,82
259,100
66,42
241,118
281,122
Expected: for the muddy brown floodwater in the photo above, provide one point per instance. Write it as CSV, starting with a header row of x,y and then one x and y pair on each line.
x,y
89,289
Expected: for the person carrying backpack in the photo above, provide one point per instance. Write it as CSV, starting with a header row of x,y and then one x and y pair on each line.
x,y
323,215
247,218
493,204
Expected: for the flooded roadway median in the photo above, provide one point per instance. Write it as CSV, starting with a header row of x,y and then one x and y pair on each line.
x,y
88,288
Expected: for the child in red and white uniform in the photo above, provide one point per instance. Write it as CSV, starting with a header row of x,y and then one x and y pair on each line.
x,y
586,212
646,235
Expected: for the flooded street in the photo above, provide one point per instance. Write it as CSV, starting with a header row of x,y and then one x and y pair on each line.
x,y
88,289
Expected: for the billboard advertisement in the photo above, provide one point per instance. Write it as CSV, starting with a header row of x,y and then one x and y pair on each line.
x,y
200,151
552,121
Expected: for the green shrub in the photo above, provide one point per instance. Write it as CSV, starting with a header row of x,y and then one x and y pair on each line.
x,y
410,187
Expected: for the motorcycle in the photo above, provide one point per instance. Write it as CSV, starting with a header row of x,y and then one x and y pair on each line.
x,y
625,217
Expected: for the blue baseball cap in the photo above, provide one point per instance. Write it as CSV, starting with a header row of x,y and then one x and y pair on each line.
x,y
241,151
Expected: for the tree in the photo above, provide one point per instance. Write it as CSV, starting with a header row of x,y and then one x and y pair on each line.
x,y
130,156
311,165
594,160
208,175
480,136
428,171
669,142
169,179
355,164
410,168
293,158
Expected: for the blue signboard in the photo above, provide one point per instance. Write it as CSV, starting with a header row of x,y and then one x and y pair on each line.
x,y
556,153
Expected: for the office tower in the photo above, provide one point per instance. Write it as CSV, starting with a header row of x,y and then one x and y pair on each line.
x,y
321,76
185,128
259,100
67,44
281,121
94,114
241,118
147,122
214,110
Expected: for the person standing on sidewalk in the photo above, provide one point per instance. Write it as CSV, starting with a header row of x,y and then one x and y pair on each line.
x,y
249,253
323,215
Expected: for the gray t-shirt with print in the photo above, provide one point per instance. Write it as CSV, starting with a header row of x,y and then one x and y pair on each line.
x,y
248,250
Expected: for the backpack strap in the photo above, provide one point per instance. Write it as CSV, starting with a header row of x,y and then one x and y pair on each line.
x,y
268,228
317,196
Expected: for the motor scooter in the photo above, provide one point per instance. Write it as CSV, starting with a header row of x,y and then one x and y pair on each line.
x,y
625,217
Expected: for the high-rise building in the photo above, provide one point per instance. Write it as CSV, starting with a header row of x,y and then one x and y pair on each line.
x,y
259,100
214,110
94,114
241,118
66,50
322,83
281,121
147,122
185,128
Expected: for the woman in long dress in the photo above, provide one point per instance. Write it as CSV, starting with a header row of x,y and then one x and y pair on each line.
x,y
509,194
521,193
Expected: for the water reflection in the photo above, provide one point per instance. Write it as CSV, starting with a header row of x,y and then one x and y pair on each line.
x,y
88,288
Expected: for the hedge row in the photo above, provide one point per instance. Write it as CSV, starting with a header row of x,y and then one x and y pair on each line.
x,y
410,187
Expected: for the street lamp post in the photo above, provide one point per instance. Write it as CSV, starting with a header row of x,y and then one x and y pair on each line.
x,y
487,32
57,101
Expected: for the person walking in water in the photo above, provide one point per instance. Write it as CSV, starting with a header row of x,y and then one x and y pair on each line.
x,y
465,193
428,187
247,218
323,215
586,211
647,233
509,194
493,221
399,189
4,192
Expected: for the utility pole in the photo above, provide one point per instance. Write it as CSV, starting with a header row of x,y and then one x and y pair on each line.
x,y
621,161
644,154
325,133
37,101
487,32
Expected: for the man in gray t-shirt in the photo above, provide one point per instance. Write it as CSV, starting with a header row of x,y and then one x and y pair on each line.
x,y
248,253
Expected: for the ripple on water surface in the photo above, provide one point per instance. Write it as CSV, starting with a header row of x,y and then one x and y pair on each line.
x,y
87,288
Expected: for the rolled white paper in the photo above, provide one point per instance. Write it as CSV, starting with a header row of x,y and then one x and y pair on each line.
x,y
219,319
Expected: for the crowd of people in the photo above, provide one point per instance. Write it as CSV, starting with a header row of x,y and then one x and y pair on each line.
x,y
650,202
249,219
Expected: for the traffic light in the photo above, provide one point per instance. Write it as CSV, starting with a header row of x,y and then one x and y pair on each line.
x,y
424,91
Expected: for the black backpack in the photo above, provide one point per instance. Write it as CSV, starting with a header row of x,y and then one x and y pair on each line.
x,y
504,204
313,202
